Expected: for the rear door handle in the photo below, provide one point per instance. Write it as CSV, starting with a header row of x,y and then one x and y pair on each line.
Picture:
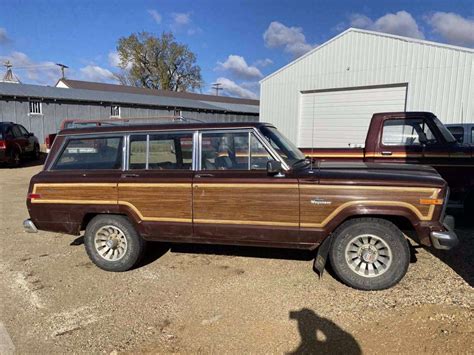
x,y
203,175
130,175
386,153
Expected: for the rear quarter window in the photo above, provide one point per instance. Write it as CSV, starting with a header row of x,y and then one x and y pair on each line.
x,y
91,154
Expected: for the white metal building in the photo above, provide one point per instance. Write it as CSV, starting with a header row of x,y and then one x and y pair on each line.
x,y
326,97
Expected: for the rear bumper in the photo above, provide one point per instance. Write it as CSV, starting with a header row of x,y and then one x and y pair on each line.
x,y
29,226
447,239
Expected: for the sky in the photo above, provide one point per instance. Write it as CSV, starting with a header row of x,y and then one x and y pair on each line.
x,y
237,43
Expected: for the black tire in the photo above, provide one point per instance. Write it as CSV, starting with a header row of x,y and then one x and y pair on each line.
x,y
14,159
36,152
132,249
388,256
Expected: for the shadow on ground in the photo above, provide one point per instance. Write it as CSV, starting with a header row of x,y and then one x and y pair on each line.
x,y
461,258
322,336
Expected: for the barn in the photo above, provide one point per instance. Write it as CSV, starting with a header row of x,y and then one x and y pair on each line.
x,y
41,109
326,97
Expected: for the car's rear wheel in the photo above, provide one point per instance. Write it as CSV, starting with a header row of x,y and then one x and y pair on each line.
x,y
36,152
112,243
369,253
14,158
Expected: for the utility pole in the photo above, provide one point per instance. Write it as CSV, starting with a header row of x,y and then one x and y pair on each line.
x,y
9,77
62,66
217,87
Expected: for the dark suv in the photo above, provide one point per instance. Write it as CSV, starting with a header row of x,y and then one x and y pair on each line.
x,y
17,143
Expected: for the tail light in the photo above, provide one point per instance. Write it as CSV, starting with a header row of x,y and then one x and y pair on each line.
x,y
32,196
3,145
47,142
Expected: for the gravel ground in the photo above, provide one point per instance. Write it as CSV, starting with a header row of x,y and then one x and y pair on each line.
x,y
218,299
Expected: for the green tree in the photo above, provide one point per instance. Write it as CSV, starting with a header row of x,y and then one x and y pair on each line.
x,y
157,63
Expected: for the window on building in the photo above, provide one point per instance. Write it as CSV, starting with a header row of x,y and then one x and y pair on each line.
x,y
91,153
161,151
35,108
407,132
232,151
114,111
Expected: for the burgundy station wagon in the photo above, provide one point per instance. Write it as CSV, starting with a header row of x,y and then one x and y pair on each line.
x,y
235,183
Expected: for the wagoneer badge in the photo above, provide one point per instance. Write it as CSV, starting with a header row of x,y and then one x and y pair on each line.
x,y
320,201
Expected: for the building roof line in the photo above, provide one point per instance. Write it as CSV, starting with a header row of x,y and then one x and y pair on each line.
x,y
29,91
375,33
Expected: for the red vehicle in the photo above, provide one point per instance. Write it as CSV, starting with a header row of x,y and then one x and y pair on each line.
x,y
415,138
16,143
79,124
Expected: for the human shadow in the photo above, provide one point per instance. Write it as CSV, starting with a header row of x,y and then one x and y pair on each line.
x,y
322,336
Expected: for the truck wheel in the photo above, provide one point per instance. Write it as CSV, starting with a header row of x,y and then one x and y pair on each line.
x,y
369,253
112,243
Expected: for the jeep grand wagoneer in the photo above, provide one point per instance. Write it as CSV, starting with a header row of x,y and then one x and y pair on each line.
x,y
239,183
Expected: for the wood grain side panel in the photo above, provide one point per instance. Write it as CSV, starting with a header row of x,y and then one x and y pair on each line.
x,y
105,193
335,199
158,202
238,204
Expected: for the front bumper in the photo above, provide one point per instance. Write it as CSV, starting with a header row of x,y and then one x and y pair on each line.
x,y
447,239
29,226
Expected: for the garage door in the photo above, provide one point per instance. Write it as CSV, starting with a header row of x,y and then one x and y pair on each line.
x,y
339,118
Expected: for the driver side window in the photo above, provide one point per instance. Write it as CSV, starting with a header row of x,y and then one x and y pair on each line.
x,y
407,132
232,151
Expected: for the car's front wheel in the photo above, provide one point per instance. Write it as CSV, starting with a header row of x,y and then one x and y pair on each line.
x,y
369,253
112,243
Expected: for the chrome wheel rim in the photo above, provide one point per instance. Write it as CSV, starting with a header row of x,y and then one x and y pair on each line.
x,y
368,255
110,243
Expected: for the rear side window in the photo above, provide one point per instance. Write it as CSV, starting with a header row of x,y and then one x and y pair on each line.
x,y
472,136
161,151
91,154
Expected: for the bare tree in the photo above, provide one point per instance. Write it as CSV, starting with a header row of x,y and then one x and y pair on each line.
x,y
157,63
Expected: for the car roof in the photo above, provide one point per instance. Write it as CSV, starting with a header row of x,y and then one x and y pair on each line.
x,y
161,126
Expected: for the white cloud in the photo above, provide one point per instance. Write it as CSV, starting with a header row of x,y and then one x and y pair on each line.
x,y
401,23
29,71
182,22
262,63
114,61
4,36
181,18
231,88
155,15
96,73
454,28
237,65
291,39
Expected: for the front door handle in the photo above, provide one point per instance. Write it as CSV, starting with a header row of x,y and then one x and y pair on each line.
x,y
386,153
203,175
130,175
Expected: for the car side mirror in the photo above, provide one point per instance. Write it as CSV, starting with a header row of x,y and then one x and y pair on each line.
x,y
273,167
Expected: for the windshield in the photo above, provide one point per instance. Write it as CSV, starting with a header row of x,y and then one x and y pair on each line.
x,y
282,145
447,135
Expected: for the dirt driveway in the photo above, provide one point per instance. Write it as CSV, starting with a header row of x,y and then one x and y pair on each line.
x,y
218,299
